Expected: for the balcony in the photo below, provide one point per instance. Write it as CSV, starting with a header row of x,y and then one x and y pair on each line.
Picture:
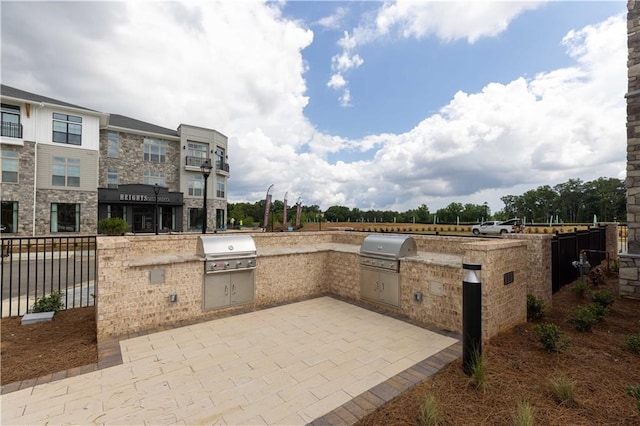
x,y
221,166
194,161
11,130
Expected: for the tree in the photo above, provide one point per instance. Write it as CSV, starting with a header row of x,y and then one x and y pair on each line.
x,y
451,213
571,202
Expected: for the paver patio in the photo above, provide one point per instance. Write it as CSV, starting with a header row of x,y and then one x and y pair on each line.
x,y
319,360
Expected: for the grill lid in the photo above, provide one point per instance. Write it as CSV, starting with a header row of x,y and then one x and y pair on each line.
x,y
221,246
388,246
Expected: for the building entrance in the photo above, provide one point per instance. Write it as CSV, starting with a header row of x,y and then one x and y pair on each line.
x,y
143,218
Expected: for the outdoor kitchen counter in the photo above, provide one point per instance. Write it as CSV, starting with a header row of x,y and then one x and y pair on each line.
x,y
429,258
303,249
440,259
163,259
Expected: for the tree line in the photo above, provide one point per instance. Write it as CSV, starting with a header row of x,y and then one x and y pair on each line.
x,y
573,201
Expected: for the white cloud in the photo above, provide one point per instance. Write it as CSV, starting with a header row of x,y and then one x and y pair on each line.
x,y
337,81
335,20
448,21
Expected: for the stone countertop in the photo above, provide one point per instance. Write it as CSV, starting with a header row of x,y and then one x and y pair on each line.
x,y
430,258
441,259
303,249
164,259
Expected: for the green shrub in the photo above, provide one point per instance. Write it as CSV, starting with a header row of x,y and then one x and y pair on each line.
x,y
634,391
479,370
581,288
113,226
563,390
633,343
50,303
604,297
535,308
550,336
599,311
429,411
586,316
525,414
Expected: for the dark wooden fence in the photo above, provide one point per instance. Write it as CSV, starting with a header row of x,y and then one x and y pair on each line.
x,y
566,248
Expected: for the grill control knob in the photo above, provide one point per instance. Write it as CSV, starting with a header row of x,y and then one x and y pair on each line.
x,y
226,264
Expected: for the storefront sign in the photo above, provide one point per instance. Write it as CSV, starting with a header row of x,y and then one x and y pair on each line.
x,y
143,197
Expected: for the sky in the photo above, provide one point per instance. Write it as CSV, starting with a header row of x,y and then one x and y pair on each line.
x,y
372,105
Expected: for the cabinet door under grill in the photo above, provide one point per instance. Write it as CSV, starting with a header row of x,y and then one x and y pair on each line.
x,y
242,287
369,284
217,291
389,288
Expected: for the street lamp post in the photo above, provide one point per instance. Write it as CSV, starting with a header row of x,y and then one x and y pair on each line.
x,y
156,189
205,168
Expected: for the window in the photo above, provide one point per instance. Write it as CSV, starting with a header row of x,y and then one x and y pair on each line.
x,y
9,216
113,144
67,129
220,157
220,189
11,121
151,178
155,150
197,153
196,185
65,217
117,210
9,166
112,178
195,219
65,172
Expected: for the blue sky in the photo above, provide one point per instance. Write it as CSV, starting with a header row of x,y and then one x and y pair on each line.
x,y
429,102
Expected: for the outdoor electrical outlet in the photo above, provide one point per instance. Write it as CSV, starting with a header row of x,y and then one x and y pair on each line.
x,y
173,298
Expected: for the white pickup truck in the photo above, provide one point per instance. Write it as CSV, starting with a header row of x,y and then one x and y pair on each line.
x,y
497,227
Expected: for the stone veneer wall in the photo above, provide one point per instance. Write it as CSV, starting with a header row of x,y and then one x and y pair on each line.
x,y
130,161
503,306
291,266
630,261
22,192
539,281
88,201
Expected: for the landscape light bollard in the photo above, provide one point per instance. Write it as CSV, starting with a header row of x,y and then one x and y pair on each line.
x,y
205,168
471,317
156,189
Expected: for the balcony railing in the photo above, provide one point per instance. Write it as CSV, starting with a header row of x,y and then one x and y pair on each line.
x,y
222,166
194,161
11,130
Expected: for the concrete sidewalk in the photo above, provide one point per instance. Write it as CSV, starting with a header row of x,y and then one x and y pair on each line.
x,y
320,359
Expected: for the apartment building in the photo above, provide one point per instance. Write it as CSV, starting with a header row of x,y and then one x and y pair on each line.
x,y
63,167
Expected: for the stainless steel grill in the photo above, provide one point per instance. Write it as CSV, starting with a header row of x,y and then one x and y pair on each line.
x,y
380,267
385,251
225,253
229,270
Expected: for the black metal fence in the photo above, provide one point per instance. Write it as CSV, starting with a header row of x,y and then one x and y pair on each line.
x,y
566,248
37,266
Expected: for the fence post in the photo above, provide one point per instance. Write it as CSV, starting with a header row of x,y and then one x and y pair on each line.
x,y
471,317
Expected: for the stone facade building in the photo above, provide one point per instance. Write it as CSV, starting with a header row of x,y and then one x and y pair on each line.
x,y
63,167
630,261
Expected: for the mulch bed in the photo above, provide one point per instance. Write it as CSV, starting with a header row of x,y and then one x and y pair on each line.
x,y
519,369
35,350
